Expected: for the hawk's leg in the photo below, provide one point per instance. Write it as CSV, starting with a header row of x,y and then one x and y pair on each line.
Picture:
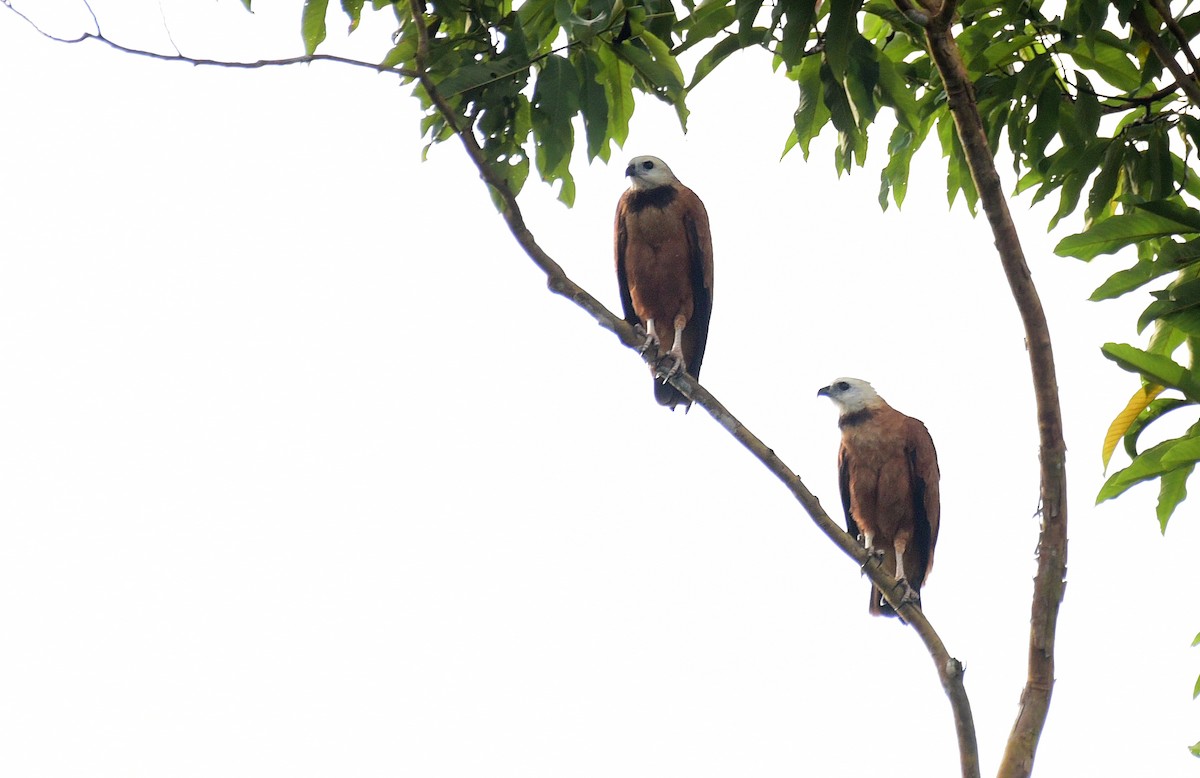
x,y
907,593
678,365
651,338
869,542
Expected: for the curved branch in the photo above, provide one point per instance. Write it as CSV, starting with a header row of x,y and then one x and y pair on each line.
x,y
949,669
1052,542
177,57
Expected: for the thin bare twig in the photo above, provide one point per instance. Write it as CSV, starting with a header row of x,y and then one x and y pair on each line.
x,y
162,12
949,670
91,12
262,63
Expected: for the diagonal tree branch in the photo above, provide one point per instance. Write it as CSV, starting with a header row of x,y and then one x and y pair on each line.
x,y
1181,37
1052,542
949,669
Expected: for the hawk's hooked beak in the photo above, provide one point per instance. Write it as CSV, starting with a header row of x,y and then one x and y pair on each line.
x,y
823,391
629,170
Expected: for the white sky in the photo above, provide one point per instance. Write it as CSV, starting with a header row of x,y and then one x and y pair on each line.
x,y
304,472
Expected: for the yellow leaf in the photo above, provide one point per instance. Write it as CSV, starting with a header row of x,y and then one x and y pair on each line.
x,y
1120,425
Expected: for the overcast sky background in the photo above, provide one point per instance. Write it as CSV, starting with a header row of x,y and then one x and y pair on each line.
x,y
303,472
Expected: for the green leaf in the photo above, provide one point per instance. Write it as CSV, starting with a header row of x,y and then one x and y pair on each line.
x,y
1184,452
797,29
537,19
895,92
837,102
1045,122
555,103
1196,640
1172,257
1178,306
593,103
1187,218
811,114
1147,466
579,28
1155,368
1085,18
353,9
862,78
894,177
1160,166
404,51
1104,187
705,22
747,10
1183,317
1003,53
1191,127
1105,55
617,77
1118,232
656,68
1195,749
1177,256
717,54
312,24
1087,107
840,31
469,77
1172,490
1080,170
1165,341
1156,410
958,173
895,18
662,55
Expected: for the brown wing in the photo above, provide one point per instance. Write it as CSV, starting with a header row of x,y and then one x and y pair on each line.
x,y
844,483
620,240
700,256
926,497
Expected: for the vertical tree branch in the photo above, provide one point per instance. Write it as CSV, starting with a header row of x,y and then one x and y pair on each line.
x,y
1052,543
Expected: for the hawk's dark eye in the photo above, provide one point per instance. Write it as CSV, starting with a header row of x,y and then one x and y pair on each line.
x,y
842,386
647,165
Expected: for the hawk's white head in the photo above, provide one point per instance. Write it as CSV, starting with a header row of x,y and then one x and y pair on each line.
x,y
851,394
649,173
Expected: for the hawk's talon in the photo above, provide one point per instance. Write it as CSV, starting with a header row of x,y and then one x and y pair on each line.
x,y
873,555
908,595
674,366
651,340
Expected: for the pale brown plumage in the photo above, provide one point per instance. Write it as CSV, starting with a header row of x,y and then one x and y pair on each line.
x,y
888,471
664,264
